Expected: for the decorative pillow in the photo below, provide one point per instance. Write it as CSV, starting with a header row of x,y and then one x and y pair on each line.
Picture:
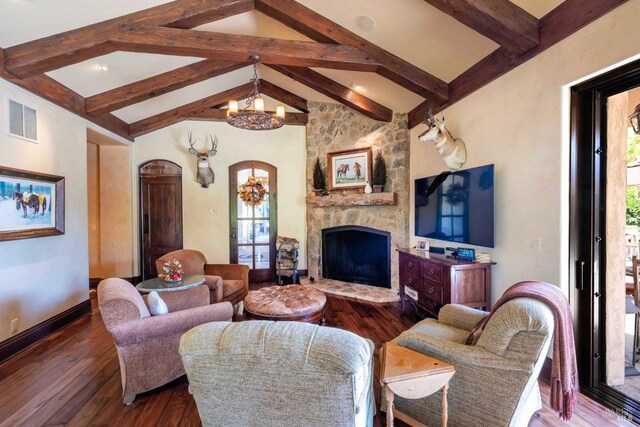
x,y
156,305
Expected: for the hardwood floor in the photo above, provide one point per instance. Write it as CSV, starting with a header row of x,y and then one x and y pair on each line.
x,y
72,378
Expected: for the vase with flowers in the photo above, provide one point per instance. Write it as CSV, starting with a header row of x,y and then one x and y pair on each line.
x,y
172,271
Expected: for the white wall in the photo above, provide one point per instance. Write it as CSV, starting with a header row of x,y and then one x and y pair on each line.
x,y
206,230
520,122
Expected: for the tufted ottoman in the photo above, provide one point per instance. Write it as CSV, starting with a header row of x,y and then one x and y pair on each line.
x,y
291,302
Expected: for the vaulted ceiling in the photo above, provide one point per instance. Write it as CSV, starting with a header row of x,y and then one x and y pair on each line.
x,y
173,61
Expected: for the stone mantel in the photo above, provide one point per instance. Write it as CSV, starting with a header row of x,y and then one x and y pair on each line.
x,y
372,199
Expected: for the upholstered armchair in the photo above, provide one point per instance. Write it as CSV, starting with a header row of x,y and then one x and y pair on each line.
x,y
227,282
496,381
263,373
148,345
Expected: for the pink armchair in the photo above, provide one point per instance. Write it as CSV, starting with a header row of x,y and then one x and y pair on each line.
x,y
148,345
227,282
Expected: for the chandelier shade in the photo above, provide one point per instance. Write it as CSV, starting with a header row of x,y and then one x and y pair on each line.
x,y
256,118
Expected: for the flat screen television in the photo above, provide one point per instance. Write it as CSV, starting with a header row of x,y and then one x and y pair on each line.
x,y
456,206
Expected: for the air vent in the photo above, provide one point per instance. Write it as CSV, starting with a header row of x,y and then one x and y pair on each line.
x,y
22,121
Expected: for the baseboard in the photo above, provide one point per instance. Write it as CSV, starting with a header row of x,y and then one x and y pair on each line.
x,y
545,373
24,339
93,282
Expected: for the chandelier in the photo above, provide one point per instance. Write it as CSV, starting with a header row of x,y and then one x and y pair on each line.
x,y
256,119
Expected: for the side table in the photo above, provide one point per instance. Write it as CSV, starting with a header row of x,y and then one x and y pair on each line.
x,y
412,375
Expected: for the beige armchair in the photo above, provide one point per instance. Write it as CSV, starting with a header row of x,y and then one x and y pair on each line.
x,y
227,282
496,381
272,374
148,345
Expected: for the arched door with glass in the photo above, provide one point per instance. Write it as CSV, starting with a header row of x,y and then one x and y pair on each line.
x,y
253,229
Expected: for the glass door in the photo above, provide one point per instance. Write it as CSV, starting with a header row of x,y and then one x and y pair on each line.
x,y
253,229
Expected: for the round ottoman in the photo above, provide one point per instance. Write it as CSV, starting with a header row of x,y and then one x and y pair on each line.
x,y
290,302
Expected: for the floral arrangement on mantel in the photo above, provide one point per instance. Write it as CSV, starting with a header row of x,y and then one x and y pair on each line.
x,y
172,271
252,192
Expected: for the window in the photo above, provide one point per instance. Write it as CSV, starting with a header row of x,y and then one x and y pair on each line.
x,y
22,121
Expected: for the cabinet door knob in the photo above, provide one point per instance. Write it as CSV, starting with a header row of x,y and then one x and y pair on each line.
x,y
430,290
410,279
431,272
410,264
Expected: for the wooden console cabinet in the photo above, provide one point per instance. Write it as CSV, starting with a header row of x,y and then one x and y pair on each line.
x,y
439,280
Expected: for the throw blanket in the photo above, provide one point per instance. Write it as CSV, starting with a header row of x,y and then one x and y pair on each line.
x,y
564,371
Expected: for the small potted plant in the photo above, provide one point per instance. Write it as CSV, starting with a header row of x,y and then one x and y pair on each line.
x,y
379,173
318,179
172,271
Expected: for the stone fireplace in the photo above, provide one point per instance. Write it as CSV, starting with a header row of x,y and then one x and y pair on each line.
x,y
357,254
332,128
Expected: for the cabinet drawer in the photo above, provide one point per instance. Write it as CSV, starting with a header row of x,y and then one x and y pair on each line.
x,y
432,291
410,264
432,272
409,279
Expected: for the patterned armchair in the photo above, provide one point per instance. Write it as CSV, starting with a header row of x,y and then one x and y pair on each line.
x,y
148,345
496,381
227,282
272,374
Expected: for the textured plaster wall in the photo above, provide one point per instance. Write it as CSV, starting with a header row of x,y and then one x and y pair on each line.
x,y
334,128
520,122
42,277
617,123
206,211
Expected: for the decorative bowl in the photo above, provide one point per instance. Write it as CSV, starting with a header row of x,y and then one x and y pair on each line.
x,y
172,282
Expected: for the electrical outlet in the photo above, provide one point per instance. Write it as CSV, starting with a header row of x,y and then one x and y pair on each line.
x,y
536,244
14,326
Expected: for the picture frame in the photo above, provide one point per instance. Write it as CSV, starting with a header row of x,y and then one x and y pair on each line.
x,y
349,169
31,204
422,245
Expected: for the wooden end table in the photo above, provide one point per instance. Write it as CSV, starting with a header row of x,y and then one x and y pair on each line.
x,y
412,375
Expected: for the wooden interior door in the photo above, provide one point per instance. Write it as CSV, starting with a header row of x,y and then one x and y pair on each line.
x,y
253,229
160,213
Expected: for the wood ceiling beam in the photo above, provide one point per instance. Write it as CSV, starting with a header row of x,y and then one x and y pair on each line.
x,y
47,88
336,91
160,84
57,51
323,30
220,115
283,95
499,20
179,114
172,41
560,23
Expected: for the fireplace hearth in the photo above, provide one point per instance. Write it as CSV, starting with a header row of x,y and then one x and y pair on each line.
x,y
357,254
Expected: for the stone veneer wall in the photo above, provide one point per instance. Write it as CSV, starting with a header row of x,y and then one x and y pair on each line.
x,y
334,127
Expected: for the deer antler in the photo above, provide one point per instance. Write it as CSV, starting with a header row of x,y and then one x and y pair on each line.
x,y
192,150
214,146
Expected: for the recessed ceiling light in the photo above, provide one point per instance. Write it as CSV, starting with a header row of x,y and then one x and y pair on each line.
x,y
365,23
103,67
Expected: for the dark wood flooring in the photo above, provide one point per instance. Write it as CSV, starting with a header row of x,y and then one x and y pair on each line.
x,y
72,377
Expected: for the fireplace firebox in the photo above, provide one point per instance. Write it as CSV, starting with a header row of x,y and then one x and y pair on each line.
x,y
357,254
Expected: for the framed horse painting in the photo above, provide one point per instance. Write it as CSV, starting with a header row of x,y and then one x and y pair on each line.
x,y
349,169
31,204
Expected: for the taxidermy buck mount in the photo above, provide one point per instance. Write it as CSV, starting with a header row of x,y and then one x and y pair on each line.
x,y
452,150
205,173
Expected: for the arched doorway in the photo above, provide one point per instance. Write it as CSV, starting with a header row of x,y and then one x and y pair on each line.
x,y
160,212
253,229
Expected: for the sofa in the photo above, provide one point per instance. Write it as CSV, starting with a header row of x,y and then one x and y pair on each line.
x,y
273,374
227,282
496,380
147,345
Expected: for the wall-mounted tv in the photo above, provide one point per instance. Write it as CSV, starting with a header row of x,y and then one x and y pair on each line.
x,y
456,206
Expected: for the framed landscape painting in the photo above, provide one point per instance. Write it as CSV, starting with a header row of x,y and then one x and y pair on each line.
x,y
349,169
31,204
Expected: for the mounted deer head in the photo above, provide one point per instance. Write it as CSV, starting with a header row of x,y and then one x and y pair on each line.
x,y
452,150
205,173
